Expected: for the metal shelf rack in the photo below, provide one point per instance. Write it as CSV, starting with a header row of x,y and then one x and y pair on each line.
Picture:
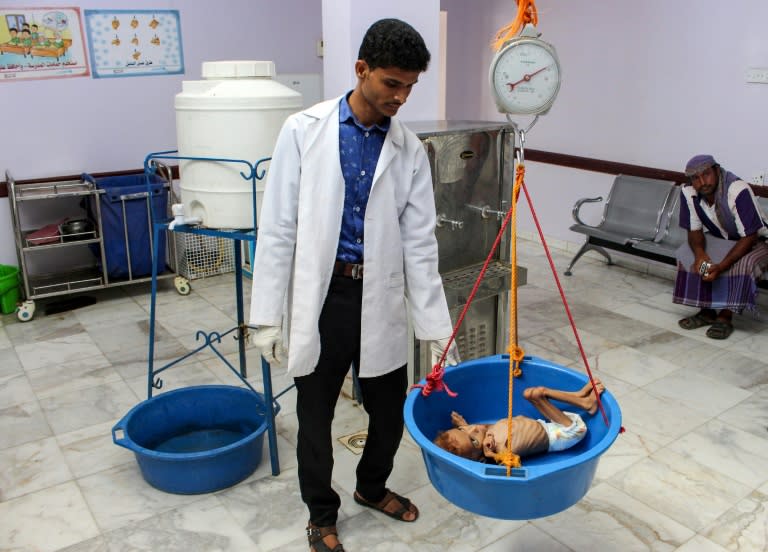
x,y
81,270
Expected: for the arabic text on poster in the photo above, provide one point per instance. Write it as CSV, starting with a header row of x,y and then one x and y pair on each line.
x,y
41,43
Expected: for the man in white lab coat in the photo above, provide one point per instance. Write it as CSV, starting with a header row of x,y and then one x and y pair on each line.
x,y
346,236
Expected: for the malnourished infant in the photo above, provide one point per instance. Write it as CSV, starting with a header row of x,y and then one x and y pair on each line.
x,y
562,431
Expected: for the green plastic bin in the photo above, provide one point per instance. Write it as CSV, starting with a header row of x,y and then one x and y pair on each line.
x,y
9,288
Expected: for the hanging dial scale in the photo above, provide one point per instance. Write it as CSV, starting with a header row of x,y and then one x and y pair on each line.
x,y
525,74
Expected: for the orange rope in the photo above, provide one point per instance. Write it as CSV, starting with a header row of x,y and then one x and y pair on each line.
x,y
526,13
516,353
514,350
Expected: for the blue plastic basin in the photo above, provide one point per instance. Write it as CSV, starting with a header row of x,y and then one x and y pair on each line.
x,y
546,483
196,439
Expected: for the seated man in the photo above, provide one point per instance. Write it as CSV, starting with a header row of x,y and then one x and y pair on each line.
x,y
529,436
718,268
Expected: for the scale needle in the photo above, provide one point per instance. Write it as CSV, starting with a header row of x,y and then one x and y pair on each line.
x,y
526,78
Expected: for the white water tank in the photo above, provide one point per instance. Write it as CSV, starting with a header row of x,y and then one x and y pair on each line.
x,y
235,112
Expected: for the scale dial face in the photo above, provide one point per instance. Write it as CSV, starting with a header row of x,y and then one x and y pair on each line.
x,y
525,77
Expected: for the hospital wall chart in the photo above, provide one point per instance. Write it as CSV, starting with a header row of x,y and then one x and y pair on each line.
x,y
130,43
41,43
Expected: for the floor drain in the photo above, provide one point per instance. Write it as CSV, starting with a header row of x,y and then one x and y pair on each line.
x,y
355,442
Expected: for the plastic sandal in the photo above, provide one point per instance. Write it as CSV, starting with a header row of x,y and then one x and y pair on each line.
x,y
698,320
720,330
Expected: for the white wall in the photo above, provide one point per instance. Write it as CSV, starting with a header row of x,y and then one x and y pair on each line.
x,y
110,124
345,23
647,82
650,82
67,126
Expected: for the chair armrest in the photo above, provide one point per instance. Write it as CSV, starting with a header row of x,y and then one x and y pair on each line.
x,y
579,203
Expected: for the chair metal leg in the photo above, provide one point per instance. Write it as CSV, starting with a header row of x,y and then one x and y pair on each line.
x,y
584,248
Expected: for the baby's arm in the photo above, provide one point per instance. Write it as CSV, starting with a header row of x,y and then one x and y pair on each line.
x,y
457,419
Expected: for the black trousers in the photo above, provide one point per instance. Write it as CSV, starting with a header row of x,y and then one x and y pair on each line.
x,y
317,393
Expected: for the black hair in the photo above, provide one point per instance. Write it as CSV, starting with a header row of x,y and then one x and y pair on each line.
x,y
394,43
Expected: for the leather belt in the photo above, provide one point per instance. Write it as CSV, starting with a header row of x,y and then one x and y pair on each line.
x,y
349,270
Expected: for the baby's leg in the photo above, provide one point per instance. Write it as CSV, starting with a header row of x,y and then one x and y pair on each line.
x,y
584,398
587,391
538,398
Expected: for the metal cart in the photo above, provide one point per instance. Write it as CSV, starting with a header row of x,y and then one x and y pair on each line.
x,y
57,263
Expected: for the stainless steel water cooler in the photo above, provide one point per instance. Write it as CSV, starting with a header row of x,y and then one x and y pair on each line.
x,y
472,170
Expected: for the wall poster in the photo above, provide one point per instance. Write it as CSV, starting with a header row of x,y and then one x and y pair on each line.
x,y
132,43
41,43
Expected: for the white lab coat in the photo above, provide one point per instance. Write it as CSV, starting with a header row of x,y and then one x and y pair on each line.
x,y
299,233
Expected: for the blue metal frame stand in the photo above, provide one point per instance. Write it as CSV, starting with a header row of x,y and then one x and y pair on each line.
x,y
211,339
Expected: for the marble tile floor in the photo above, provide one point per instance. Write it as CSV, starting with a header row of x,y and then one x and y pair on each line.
x,y
689,474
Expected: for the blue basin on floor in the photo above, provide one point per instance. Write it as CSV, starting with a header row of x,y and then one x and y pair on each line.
x,y
196,439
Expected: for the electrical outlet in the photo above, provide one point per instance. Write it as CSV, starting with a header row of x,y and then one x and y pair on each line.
x,y
758,75
759,179
319,47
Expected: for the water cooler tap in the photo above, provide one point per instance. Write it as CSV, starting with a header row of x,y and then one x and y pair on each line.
x,y
486,211
177,209
442,220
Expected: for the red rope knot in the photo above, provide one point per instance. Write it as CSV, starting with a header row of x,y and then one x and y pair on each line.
x,y
435,383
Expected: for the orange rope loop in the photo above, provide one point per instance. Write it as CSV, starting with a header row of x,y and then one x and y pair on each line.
x,y
507,458
526,13
516,353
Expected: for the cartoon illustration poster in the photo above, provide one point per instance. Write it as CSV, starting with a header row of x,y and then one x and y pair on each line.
x,y
131,43
41,43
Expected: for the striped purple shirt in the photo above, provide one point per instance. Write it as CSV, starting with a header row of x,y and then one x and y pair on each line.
x,y
697,214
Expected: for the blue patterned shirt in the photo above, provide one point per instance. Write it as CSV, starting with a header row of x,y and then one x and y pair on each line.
x,y
359,149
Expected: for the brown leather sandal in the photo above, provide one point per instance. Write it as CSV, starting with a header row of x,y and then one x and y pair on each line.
x,y
405,506
315,536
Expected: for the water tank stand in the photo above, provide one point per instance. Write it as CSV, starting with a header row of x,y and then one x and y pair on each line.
x,y
211,339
